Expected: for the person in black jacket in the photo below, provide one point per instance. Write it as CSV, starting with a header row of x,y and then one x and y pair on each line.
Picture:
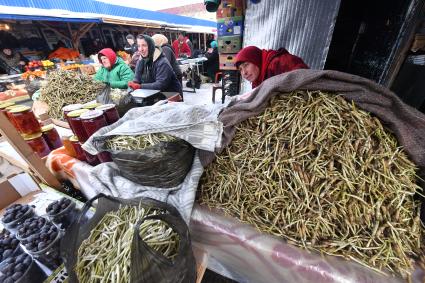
x,y
162,42
153,71
131,45
212,65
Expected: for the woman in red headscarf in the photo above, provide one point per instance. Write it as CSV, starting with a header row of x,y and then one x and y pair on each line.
x,y
257,65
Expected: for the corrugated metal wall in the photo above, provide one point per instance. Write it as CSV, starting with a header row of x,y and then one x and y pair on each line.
x,y
303,27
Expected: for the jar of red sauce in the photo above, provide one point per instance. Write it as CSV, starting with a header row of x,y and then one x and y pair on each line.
x,y
110,112
76,145
76,125
25,120
93,121
70,108
91,159
104,156
9,116
37,143
91,105
4,105
51,135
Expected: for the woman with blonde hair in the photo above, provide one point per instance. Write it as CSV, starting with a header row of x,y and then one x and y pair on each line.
x,y
161,41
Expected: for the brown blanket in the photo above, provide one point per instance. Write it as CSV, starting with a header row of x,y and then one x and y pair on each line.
x,y
407,123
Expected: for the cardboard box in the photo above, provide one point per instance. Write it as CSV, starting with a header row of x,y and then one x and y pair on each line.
x,y
227,61
229,44
230,26
230,8
8,194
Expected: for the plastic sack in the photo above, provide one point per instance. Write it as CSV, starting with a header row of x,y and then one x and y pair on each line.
x,y
163,165
146,264
125,102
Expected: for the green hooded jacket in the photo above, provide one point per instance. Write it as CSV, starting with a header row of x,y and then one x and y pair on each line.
x,y
118,76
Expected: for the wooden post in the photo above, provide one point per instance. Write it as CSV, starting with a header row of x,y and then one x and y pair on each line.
x,y
35,163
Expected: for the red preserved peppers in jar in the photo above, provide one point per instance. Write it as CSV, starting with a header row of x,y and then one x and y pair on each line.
x,y
37,143
76,125
50,134
92,121
110,112
25,120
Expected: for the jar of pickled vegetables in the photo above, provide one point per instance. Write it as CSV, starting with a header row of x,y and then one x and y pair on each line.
x,y
25,120
70,108
76,125
37,143
50,134
92,121
76,145
91,105
110,112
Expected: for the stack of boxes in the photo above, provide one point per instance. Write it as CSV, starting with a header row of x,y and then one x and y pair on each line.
x,y
230,30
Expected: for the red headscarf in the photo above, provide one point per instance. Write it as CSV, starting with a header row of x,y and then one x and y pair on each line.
x,y
270,62
109,53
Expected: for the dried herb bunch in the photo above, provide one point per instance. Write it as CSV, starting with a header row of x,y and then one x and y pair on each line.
x,y
324,175
68,87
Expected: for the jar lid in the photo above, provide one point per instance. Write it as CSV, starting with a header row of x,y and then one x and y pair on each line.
x,y
105,107
73,138
76,113
72,107
8,108
91,105
6,104
47,128
91,114
31,137
20,109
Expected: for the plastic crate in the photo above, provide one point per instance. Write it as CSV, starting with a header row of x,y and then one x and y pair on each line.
x,y
229,44
230,26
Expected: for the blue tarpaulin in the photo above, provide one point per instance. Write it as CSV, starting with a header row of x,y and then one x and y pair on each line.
x,y
94,11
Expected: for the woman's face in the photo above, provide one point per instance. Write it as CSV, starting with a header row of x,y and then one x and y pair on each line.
x,y
7,51
143,47
249,71
130,41
105,62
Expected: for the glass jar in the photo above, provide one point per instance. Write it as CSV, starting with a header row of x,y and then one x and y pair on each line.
x,y
4,105
67,144
9,116
91,159
110,112
91,105
76,145
93,121
25,120
70,108
50,134
104,156
76,125
37,143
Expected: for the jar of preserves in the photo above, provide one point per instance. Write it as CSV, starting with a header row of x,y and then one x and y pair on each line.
x,y
91,159
67,144
104,156
9,116
70,108
91,105
76,125
4,105
50,134
110,112
25,120
37,143
76,145
93,121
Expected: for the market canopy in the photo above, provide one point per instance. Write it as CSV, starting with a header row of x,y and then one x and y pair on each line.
x,y
97,12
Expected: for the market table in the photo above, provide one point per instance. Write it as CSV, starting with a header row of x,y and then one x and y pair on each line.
x,y
239,251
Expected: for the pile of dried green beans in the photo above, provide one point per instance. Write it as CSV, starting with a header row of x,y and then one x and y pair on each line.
x,y
324,175
105,255
118,143
68,87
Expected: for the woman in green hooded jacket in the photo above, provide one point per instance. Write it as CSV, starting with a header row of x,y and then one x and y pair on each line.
x,y
114,70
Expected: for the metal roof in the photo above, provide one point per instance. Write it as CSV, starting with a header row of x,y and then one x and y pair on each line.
x,y
94,10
